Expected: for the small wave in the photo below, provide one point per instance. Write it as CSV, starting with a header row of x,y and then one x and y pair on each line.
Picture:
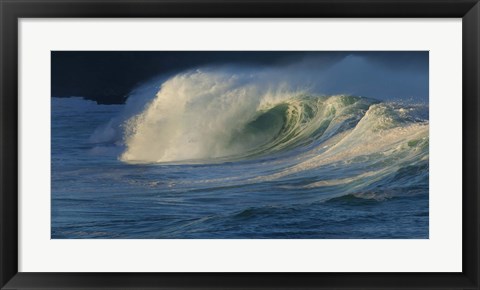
x,y
360,199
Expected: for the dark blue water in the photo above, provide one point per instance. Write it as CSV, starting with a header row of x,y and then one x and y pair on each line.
x,y
361,174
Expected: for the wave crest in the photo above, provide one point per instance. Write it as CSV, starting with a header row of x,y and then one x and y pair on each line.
x,y
205,117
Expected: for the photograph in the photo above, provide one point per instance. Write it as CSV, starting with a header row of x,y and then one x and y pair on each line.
x,y
239,144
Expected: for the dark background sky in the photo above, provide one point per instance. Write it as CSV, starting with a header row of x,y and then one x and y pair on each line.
x,y
108,76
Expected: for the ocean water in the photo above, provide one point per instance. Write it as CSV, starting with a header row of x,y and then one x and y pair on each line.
x,y
218,156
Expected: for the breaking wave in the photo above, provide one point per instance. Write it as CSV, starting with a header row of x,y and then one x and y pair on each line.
x,y
204,117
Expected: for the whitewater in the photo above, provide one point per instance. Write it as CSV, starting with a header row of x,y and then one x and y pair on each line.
x,y
211,153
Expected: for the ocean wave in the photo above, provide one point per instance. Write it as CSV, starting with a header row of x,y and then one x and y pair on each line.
x,y
297,139
206,117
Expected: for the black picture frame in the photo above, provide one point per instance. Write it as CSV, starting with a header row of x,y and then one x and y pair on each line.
x,y
12,10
